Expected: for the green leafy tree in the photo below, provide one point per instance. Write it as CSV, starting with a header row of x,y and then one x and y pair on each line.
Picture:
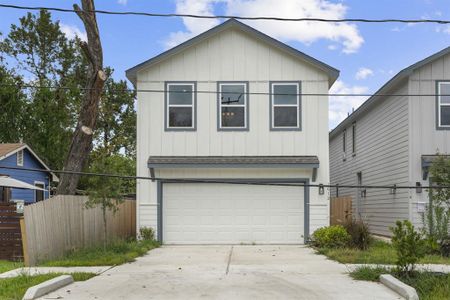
x,y
107,192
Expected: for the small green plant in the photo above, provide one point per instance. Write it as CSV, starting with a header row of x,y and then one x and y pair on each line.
x,y
147,233
409,246
331,237
359,231
369,273
436,220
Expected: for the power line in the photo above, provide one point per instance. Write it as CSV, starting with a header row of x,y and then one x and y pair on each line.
x,y
263,18
218,92
224,180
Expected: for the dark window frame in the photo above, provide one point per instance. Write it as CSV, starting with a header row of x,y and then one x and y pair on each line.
x,y
354,138
39,184
167,105
245,106
273,105
439,105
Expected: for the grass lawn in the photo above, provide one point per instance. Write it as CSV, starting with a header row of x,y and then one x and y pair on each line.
x,y
116,253
9,265
378,253
429,286
15,288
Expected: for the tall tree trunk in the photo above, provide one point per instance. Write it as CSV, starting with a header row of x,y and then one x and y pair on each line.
x,y
82,138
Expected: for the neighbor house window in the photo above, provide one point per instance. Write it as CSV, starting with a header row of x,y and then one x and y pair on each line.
x,y
344,142
20,158
180,106
354,138
39,194
443,105
285,106
233,105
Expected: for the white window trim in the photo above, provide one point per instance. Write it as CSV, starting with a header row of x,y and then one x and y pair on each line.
x,y
440,105
192,106
20,154
233,105
39,182
354,138
273,105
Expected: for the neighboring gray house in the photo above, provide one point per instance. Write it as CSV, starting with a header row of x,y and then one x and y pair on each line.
x,y
392,140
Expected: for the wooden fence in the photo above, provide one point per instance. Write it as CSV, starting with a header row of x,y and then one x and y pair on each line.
x,y
63,223
340,210
10,235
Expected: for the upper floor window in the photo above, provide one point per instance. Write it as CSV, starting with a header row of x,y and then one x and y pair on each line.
x,y
180,106
344,141
20,158
285,106
233,106
443,105
354,138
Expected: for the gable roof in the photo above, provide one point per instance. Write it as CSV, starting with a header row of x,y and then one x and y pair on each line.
x,y
6,150
394,81
332,72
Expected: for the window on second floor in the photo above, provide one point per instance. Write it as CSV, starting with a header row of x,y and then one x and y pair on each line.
x,y
20,158
354,138
180,106
443,105
344,141
285,106
233,106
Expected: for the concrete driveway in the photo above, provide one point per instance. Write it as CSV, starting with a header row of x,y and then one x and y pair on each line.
x,y
226,272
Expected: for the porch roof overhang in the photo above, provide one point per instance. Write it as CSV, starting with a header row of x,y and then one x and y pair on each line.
x,y
169,162
427,161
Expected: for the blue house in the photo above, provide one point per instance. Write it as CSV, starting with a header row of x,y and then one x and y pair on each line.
x,y
14,157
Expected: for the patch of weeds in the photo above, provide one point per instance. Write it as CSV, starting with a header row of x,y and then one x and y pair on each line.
x,y
6,265
368,273
14,288
116,253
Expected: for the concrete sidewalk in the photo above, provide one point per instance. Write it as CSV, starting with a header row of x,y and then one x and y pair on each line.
x,y
46,270
226,272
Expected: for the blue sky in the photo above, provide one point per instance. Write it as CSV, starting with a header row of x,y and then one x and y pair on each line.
x,y
366,54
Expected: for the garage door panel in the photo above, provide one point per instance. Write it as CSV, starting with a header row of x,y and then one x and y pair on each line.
x,y
212,213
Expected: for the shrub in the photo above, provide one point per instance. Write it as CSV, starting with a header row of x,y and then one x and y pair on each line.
x,y
147,233
359,231
436,220
331,237
409,246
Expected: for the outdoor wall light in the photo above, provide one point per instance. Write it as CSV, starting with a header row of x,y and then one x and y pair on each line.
x,y
321,189
394,189
418,187
363,193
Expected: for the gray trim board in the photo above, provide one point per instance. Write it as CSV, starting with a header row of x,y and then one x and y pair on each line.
x,y
438,107
194,108
332,73
299,112
306,207
247,106
400,77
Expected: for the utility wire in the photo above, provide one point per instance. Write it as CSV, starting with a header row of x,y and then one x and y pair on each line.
x,y
264,18
218,92
224,180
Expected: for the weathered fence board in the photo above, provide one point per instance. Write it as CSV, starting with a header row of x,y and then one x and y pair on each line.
x,y
340,210
63,223
10,235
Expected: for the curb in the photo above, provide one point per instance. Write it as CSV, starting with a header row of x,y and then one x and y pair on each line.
x,y
399,287
47,287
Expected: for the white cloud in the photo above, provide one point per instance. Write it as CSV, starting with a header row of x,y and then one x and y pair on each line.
x,y
443,29
306,32
363,73
340,106
122,2
332,47
71,31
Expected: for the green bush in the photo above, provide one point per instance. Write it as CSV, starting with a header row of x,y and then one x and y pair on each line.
x,y
409,246
147,233
359,231
331,237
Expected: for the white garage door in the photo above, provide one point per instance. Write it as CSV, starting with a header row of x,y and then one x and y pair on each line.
x,y
209,213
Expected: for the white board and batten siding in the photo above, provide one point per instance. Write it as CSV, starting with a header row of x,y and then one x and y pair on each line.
x,y
232,55
424,138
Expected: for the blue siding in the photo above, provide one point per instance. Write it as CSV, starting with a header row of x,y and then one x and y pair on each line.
x,y
26,176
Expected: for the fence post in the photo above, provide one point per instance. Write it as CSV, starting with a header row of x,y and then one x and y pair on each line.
x,y
23,231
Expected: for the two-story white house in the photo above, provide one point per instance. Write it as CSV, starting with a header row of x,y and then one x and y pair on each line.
x,y
232,136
